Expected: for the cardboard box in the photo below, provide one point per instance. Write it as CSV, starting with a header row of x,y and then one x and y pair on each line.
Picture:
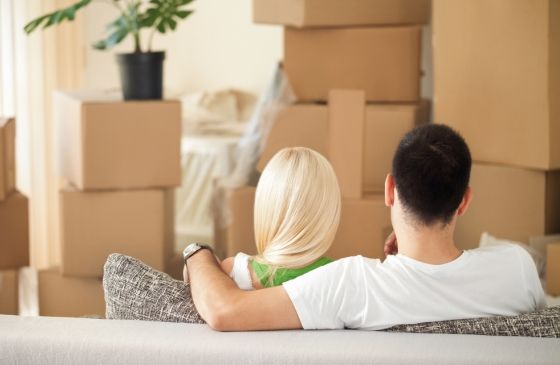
x,y
323,13
61,296
7,157
238,235
346,139
364,226
308,125
174,266
14,232
553,268
510,203
497,67
96,224
111,144
8,292
382,61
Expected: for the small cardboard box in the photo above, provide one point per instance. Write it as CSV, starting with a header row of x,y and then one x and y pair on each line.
x,y
8,292
308,125
104,143
364,226
553,268
61,296
384,62
7,157
238,235
511,203
14,232
96,224
325,13
497,67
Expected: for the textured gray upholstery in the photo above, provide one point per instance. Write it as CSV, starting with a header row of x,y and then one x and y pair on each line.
x,y
45,340
134,290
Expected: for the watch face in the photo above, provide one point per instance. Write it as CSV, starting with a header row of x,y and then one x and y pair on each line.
x,y
190,249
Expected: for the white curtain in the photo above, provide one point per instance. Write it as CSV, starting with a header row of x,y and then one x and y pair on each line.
x,y
31,67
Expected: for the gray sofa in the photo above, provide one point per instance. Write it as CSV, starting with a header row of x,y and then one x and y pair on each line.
x,y
48,340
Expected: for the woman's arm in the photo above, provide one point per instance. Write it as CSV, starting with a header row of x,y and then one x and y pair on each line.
x,y
225,307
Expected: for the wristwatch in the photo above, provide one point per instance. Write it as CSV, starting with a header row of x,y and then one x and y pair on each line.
x,y
194,248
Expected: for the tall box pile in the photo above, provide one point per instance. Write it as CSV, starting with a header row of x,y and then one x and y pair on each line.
x,y
14,221
355,72
119,161
497,81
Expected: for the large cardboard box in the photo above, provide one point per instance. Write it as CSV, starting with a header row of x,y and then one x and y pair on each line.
x,y
511,203
96,224
237,234
385,124
8,292
323,13
553,268
382,61
61,296
104,143
497,67
7,157
14,232
364,226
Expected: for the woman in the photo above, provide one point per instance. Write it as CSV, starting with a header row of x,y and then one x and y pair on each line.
x,y
297,212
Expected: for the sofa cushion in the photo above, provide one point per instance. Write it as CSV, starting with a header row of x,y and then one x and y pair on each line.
x,y
134,290
543,323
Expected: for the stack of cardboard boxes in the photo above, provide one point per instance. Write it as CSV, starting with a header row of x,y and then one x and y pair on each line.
x,y
14,222
119,160
355,70
497,81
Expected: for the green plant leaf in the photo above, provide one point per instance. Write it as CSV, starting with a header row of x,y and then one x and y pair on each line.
x,y
112,40
56,17
164,15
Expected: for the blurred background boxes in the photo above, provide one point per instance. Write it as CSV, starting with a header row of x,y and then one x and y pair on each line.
x,y
511,203
382,61
8,292
7,157
553,268
14,232
320,13
105,143
364,226
60,296
137,223
237,233
497,78
385,124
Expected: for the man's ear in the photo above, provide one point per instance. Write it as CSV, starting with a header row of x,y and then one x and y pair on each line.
x,y
389,190
467,198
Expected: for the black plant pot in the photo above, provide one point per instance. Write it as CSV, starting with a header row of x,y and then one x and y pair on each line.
x,y
141,75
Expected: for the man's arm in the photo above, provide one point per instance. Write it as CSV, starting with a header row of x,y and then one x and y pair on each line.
x,y
225,307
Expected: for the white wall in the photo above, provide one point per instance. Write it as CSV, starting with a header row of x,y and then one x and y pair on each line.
x,y
217,47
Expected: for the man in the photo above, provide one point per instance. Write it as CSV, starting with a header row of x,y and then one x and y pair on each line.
x,y
428,279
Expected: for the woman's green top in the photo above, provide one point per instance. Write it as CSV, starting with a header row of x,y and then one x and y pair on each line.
x,y
282,275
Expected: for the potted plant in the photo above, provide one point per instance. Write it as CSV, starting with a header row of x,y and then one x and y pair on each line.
x,y
142,70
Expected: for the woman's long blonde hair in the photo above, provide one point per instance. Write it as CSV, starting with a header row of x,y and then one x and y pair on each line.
x,y
297,209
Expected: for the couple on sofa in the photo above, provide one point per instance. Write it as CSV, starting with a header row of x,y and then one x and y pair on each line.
x,y
424,278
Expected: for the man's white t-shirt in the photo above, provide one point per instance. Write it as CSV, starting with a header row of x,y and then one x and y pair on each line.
x,y
357,292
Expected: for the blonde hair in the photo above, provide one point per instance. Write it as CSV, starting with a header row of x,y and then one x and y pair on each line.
x,y
297,209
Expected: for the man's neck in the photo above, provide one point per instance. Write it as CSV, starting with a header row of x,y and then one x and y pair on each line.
x,y
431,245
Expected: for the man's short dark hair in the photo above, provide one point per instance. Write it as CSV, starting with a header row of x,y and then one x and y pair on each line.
x,y
431,168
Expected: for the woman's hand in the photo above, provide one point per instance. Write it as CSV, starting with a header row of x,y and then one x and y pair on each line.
x,y
391,245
